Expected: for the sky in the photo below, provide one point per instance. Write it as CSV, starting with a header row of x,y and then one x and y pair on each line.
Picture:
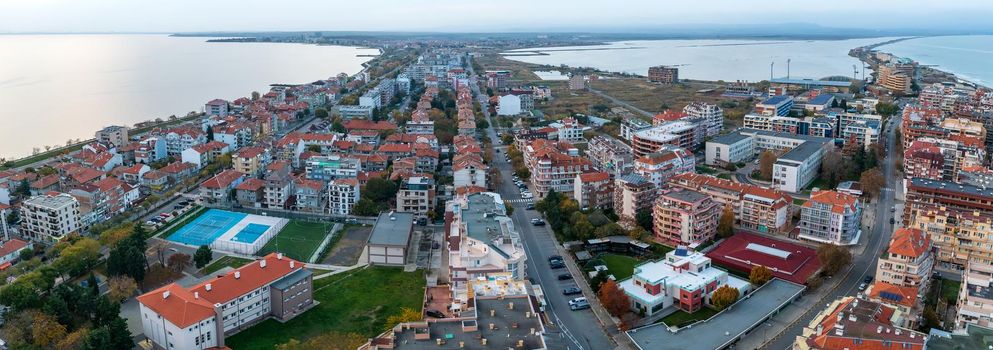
x,y
171,16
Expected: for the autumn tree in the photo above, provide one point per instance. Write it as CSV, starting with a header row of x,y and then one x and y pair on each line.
x,y
833,258
610,229
725,227
406,315
613,298
832,167
46,330
724,297
760,275
121,288
766,160
872,182
327,341
179,261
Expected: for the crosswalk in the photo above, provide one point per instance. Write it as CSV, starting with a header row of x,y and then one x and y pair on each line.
x,y
521,200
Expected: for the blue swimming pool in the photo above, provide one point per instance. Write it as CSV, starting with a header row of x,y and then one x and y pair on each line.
x,y
250,233
207,227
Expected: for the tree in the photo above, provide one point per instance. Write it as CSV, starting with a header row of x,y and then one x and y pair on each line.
x,y
26,254
255,95
128,256
113,336
638,233
24,189
202,256
506,139
766,160
611,229
321,113
179,261
46,330
644,219
78,258
120,288
886,109
725,227
724,297
613,298
314,148
406,315
379,190
73,340
210,133
508,207
337,126
598,280
759,275
365,207
832,167
92,283
833,258
872,182
111,236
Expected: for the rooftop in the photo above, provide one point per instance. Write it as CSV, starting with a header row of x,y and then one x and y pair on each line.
x,y
951,187
392,229
811,82
723,328
972,337
802,152
744,250
729,139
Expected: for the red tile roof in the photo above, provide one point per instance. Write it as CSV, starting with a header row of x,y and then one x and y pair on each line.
x,y
838,201
362,124
895,295
594,177
249,152
181,307
251,276
251,184
909,242
222,180
13,244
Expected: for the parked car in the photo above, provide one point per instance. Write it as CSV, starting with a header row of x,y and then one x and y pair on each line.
x,y
572,291
434,313
553,257
867,279
538,222
556,264
530,206
422,221
565,277
579,304
892,221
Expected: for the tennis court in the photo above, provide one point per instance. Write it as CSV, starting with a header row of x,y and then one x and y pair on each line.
x,y
250,233
207,227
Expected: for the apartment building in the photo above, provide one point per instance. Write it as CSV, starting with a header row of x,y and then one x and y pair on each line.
x,y
250,161
594,190
922,194
778,105
216,107
278,187
975,299
685,217
959,236
416,196
327,168
554,165
895,79
711,113
684,279
918,122
669,161
796,169
632,125
908,261
469,170
577,82
663,74
203,154
116,135
964,127
183,138
481,241
610,155
855,323
49,217
831,217
680,133
4,229
756,208
632,193
201,317
570,130
342,196
940,159
217,190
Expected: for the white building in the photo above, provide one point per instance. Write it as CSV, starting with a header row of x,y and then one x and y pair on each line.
x,y
201,317
670,160
730,148
216,107
570,130
115,134
711,113
482,241
684,279
48,218
509,104
831,217
469,171
342,196
798,166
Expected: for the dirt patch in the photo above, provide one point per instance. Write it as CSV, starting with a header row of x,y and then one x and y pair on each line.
x,y
348,249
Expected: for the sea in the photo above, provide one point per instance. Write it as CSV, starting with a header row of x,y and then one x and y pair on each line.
x,y
969,56
728,60
56,88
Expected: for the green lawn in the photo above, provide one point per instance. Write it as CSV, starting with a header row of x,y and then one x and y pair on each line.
x,y
680,317
950,290
355,302
725,176
298,240
621,266
183,221
226,261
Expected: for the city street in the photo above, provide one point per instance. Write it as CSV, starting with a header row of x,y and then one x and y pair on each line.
x,y
863,264
578,329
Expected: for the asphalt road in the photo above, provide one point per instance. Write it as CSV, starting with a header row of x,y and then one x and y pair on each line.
x,y
865,263
575,329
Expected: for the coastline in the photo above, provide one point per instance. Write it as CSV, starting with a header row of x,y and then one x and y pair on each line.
x,y
927,72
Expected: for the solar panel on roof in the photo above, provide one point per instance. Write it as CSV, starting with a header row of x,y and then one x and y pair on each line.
x,y
891,296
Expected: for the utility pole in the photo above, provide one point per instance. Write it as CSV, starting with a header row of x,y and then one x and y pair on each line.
x,y
787,68
771,65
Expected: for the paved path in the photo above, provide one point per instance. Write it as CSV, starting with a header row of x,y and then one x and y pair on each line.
x,y
623,103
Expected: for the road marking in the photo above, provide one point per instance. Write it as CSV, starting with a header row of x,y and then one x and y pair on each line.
x,y
521,200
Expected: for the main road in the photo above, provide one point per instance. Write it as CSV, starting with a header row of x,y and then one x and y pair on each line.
x,y
576,329
863,264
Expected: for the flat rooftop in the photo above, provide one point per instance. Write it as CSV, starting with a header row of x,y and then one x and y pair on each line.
x,y
505,334
392,229
802,152
729,139
480,216
811,82
735,321
744,250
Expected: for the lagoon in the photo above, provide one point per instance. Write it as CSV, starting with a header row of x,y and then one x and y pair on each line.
x,y
967,56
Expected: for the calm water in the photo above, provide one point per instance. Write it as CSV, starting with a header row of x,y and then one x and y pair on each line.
x,y
59,87
969,57
712,59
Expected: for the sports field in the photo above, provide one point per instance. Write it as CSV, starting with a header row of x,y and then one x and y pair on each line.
x,y
298,239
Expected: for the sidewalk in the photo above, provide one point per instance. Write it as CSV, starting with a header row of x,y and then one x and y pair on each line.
x,y
606,321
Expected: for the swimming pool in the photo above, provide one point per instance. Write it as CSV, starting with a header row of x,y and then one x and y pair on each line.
x,y
250,233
